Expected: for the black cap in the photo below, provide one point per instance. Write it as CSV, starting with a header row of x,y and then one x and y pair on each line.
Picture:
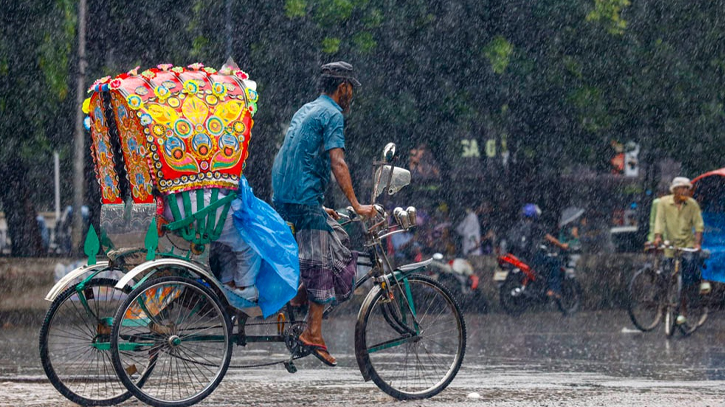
x,y
339,69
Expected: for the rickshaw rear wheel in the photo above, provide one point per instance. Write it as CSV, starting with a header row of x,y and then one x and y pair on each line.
x,y
66,344
177,327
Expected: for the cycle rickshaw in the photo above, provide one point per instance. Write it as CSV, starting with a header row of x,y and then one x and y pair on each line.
x,y
152,321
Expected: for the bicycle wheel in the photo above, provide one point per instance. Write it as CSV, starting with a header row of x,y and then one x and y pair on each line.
x,y
423,359
697,311
646,299
511,295
571,294
672,304
74,344
177,327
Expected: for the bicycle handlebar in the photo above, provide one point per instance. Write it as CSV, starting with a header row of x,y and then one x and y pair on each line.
x,y
671,247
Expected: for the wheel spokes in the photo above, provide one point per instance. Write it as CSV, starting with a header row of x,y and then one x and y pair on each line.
x,y
414,363
177,330
76,342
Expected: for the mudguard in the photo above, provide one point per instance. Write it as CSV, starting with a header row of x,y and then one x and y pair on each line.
x,y
63,283
161,263
414,266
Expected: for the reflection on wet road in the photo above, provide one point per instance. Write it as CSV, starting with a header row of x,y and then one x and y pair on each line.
x,y
540,358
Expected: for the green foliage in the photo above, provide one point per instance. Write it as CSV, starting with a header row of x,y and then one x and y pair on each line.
x,y
373,19
592,111
199,46
498,52
565,78
329,13
364,42
609,14
330,45
295,8
54,52
53,62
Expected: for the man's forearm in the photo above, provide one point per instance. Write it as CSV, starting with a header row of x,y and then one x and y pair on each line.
x,y
698,238
342,175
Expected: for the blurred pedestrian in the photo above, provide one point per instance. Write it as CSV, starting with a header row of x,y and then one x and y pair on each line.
x,y
470,231
422,164
661,191
489,221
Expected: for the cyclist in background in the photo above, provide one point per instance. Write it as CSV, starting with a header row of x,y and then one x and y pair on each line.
x,y
680,219
526,240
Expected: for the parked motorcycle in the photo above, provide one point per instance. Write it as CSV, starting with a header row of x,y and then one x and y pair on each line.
x,y
520,286
458,275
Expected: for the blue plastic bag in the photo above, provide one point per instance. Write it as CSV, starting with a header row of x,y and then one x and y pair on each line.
x,y
268,234
714,240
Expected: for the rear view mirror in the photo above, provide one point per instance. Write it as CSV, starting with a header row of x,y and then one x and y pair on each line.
x,y
399,178
389,152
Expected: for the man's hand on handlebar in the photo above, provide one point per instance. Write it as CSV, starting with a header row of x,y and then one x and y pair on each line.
x,y
333,213
367,211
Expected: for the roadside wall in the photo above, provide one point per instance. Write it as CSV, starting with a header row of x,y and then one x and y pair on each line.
x,y
24,282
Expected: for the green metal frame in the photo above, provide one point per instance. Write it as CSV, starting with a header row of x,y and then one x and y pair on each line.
x,y
241,337
202,226
401,277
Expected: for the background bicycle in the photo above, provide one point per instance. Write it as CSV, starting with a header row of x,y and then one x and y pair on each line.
x,y
656,293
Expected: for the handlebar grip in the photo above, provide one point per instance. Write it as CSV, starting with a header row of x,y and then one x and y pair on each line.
x,y
351,212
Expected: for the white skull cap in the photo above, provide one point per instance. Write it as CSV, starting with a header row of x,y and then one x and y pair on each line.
x,y
680,182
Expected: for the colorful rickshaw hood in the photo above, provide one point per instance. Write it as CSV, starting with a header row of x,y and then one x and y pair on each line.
x,y
178,128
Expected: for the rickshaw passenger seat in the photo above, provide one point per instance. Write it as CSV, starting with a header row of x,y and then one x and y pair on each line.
x,y
201,226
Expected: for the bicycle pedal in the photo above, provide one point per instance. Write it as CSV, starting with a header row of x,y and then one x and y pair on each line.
x,y
290,366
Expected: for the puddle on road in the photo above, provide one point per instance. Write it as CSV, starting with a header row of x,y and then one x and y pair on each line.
x,y
536,359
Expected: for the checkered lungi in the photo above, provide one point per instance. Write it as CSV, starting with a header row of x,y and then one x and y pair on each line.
x,y
327,265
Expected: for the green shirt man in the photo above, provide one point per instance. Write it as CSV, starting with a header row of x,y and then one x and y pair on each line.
x,y
652,219
679,218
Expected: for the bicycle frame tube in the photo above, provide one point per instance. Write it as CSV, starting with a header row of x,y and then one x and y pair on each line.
x,y
80,288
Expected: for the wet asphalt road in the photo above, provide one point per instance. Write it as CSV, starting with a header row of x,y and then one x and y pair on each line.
x,y
590,359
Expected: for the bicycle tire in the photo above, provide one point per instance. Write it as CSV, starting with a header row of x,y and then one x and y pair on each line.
x,y
696,313
672,305
571,294
430,296
513,305
119,393
161,331
639,285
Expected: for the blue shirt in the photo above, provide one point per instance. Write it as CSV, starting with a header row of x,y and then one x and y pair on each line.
x,y
301,169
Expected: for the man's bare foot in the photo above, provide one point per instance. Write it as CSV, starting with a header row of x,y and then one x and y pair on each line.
x,y
319,349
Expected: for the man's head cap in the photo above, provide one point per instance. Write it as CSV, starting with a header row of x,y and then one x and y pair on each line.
x,y
341,70
680,182
531,211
